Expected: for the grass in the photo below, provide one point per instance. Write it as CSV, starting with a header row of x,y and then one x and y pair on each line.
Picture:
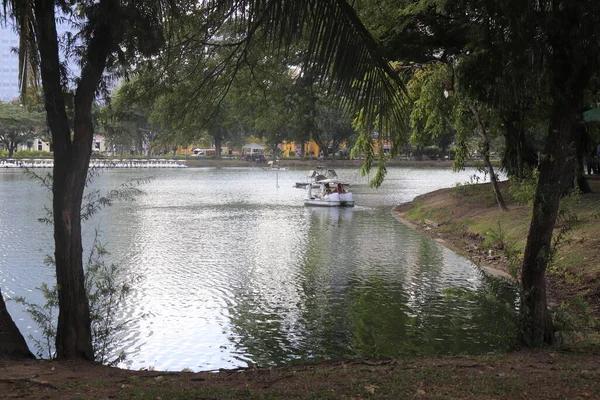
x,y
464,378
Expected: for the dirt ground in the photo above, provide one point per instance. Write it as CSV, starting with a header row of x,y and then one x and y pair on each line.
x,y
541,374
457,221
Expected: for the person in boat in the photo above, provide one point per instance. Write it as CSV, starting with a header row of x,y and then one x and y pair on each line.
x,y
339,189
327,189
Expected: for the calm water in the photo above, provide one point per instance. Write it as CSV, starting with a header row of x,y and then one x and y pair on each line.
x,y
236,271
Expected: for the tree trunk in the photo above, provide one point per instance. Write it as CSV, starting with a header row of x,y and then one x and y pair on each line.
x,y
73,335
12,343
582,148
558,149
514,158
485,149
71,163
218,142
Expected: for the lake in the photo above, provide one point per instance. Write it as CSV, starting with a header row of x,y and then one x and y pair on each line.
x,y
234,271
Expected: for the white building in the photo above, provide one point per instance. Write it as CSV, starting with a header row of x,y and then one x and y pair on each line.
x,y
98,144
253,149
36,144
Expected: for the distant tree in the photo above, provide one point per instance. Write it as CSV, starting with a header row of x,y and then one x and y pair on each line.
x,y
333,126
18,124
440,106
475,117
431,116
321,39
126,123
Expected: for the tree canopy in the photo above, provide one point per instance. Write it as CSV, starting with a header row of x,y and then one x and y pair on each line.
x,y
19,124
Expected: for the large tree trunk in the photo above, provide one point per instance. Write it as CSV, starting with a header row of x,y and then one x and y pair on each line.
x,y
73,335
12,343
558,150
71,162
571,64
485,149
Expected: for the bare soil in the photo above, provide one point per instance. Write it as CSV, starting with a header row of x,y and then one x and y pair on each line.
x,y
464,219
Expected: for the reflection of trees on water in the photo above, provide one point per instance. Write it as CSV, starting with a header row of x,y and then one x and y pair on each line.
x,y
494,305
393,320
260,335
421,319
363,289
296,319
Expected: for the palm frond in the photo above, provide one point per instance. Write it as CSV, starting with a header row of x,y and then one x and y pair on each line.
x,y
21,12
339,51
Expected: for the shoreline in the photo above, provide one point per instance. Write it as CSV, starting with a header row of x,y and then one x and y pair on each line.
x,y
468,221
426,230
284,163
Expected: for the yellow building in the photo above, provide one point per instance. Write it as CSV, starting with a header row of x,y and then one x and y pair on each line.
x,y
292,149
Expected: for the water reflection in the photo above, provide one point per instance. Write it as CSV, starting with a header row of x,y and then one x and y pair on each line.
x,y
236,271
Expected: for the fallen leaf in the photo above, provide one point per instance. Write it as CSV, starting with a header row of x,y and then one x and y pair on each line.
x,y
371,388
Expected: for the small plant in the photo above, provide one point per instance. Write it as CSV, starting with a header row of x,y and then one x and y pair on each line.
x,y
107,286
523,191
45,317
465,189
570,317
500,241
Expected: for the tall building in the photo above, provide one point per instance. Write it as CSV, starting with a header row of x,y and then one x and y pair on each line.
x,y
9,64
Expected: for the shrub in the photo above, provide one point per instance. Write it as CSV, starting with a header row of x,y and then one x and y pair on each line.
x,y
523,191
107,286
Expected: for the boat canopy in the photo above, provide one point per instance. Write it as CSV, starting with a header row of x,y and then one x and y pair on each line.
x,y
320,173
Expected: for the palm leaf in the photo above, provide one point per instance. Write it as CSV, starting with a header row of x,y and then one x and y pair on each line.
x,y
339,50
22,12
